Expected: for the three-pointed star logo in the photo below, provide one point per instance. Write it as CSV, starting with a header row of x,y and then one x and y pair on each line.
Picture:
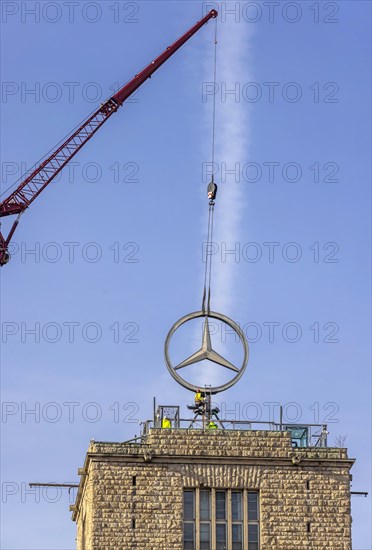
x,y
207,352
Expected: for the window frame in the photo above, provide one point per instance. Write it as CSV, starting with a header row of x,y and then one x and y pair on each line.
x,y
228,521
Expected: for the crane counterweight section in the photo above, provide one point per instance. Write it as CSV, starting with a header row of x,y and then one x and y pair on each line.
x,y
37,181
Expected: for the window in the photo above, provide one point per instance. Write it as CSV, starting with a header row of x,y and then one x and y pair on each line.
x,y
220,519
205,513
253,519
220,505
236,505
221,539
189,536
205,536
189,505
237,536
189,520
237,520
205,519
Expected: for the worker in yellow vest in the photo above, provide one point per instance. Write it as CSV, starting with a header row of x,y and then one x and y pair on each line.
x,y
166,423
199,398
212,425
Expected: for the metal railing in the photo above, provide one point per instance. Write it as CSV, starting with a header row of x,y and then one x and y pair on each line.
x,y
303,435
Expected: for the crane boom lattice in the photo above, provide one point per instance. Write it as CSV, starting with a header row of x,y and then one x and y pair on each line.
x,y
27,191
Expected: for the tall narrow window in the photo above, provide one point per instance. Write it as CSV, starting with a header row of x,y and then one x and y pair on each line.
x,y
221,536
205,505
253,521
237,520
189,520
236,506
220,505
221,517
205,536
189,536
205,519
237,536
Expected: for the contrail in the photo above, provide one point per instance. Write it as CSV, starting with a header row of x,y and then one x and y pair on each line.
x,y
232,141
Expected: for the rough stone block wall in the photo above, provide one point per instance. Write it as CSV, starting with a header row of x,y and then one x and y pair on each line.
x,y
295,487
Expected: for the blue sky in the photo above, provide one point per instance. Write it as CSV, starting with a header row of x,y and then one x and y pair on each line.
x,y
118,239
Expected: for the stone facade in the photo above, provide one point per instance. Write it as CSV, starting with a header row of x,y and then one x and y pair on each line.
x,y
131,495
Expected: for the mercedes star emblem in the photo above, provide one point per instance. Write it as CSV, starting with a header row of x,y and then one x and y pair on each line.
x,y
206,351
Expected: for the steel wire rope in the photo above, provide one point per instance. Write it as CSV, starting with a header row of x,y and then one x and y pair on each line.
x,y
208,258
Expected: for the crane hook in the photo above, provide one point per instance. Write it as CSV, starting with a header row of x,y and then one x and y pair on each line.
x,y
212,191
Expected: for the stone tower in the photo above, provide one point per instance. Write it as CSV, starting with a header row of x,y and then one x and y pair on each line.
x,y
198,489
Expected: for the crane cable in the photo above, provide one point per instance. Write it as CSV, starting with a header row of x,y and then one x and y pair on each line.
x,y
212,190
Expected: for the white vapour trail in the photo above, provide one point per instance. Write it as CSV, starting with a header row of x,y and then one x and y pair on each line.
x,y
232,138
232,149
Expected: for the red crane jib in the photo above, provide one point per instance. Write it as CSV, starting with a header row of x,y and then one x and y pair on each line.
x,y
34,183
